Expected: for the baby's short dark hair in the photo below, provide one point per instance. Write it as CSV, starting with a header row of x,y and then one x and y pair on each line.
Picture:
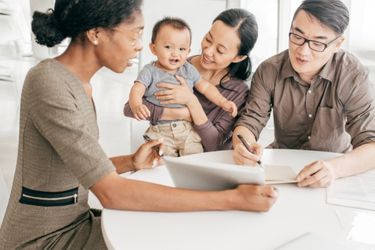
x,y
175,22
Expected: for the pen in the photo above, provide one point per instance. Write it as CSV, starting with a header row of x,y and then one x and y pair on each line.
x,y
247,146
156,148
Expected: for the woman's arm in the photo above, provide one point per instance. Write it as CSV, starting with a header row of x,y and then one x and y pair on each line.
x,y
181,94
214,125
158,113
120,193
116,192
216,132
144,157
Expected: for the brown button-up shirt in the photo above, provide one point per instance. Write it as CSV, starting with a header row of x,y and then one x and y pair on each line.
x,y
58,151
334,112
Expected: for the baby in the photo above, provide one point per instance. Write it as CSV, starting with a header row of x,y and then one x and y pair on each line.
x,y
170,43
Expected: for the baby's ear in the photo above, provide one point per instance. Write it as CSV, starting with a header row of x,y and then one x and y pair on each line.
x,y
152,48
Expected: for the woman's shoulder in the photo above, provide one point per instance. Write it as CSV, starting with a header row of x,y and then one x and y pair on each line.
x,y
48,78
44,72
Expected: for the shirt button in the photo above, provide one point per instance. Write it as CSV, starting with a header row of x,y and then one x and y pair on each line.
x,y
310,115
174,124
309,91
309,137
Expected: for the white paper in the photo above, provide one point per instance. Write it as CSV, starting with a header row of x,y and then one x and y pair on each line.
x,y
275,174
314,241
279,174
354,191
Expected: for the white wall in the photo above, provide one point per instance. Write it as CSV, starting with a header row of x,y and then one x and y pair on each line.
x,y
197,13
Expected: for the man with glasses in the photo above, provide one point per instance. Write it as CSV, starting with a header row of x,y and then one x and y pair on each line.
x,y
320,97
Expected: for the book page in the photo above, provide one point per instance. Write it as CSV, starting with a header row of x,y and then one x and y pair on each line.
x,y
278,174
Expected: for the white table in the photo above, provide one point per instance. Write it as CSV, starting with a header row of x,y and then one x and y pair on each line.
x,y
297,211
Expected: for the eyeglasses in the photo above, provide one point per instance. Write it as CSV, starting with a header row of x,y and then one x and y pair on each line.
x,y
134,40
314,45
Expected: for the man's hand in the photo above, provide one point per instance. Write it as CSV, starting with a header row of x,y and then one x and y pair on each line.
x,y
316,174
242,156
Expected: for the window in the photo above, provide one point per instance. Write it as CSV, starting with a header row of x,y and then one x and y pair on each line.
x,y
360,38
274,18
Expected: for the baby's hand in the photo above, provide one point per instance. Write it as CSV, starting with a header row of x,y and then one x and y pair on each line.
x,y
141,112
230,107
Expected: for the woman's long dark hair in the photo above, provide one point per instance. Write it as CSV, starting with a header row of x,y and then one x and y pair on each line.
x,y
247,29
71,18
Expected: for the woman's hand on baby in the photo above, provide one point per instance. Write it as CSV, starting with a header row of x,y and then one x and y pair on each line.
x,y
230,107
141,112
175,94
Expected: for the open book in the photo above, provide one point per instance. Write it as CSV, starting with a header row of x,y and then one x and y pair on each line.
x,y
217,171
278,174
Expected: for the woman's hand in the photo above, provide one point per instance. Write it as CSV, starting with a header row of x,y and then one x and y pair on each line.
x,y
255,197
175,94
146,156
242,156
316,174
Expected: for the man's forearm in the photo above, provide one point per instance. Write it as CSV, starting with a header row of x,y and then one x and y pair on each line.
x,y
359,160
246,134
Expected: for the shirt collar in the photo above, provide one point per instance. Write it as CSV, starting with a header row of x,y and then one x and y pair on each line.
x,y
327,72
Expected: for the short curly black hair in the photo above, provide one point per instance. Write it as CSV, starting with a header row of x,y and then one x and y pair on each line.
x,y
70,18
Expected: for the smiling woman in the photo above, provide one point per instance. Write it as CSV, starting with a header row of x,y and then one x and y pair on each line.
x,y
59,157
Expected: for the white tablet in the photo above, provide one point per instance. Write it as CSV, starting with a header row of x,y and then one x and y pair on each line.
x,y
202,174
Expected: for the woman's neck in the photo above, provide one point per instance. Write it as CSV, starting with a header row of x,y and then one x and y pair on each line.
x,y
212,76
80,61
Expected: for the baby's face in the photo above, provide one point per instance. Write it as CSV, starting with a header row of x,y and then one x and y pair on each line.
x,y
171,47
